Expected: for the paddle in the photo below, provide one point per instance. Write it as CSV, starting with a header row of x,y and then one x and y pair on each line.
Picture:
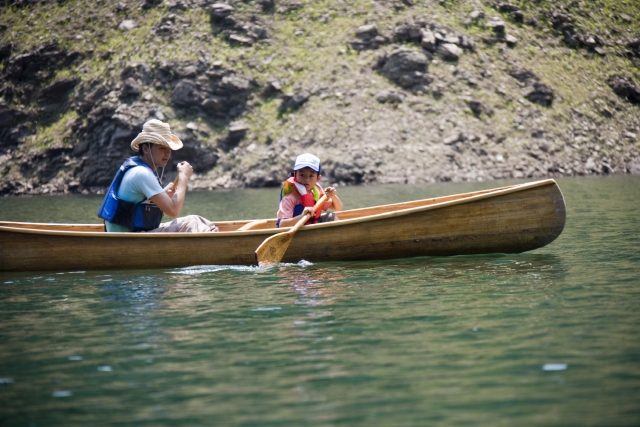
x,y
271,251
175,183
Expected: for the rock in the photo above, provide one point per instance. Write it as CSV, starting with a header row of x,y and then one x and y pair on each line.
x,y
513,10
131,87
474,16
247,41
476,107
185,70
605,112
271,88
367,31
438,90
634,45
540,93
121,7
455,137
535,91
634,166
449,51
214,103
624,87
510,40
291,102
219,11
507,7
561,21
467,43
13,130
236,128
236,30
360,169
166,25
289,6
255,31
178,5
497,25
148,4
521,74
533,22
5,51
428,41
200,155
490,40
186,94
451,39
267,5
232,84
127,25
58,90
38,65
389,97
626,17
518,16
406,67
237,132
408,32
367,37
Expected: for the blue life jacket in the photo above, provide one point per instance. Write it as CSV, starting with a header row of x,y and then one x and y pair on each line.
x,y
142,216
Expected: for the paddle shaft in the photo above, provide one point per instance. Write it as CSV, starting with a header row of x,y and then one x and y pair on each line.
x,y
306,216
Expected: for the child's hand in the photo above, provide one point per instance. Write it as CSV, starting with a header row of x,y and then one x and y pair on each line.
x,y
330,191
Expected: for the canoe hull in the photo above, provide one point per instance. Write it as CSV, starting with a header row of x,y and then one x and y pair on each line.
x,y
504,222
513,223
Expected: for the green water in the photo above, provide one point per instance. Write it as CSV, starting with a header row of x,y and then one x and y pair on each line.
x,y
545,338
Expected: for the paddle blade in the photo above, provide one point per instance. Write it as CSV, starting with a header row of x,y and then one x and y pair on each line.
x,y
271,251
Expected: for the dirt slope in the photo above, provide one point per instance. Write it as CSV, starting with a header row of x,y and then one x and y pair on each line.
x,y
383,91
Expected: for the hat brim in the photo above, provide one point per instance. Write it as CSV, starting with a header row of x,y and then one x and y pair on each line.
x,y
154,138
305,165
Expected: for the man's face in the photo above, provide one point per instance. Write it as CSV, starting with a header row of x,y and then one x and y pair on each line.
x,y
160,155
307,177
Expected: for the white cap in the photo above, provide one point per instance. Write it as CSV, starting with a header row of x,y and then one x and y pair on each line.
x,y
307,160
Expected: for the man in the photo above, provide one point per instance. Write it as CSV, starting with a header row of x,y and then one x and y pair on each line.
x,y
136,200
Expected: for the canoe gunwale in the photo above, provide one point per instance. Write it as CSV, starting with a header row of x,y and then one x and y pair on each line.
x,y
464,198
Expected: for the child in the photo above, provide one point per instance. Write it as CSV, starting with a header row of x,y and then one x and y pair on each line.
x,y
301,192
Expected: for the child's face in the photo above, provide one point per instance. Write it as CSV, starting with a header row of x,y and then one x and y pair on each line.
x,y
307,177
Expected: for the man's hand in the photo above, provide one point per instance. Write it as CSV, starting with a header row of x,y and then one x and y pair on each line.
x,y
185,168
170,189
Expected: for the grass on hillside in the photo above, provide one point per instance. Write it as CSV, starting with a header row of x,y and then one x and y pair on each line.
x,y
318,56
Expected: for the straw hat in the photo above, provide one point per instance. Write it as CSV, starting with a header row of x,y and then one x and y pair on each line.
x,y
156,132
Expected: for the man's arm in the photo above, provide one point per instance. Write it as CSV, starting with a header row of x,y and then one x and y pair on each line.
x,y
172,205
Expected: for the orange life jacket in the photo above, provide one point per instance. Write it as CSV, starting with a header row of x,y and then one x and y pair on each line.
x,y
308,198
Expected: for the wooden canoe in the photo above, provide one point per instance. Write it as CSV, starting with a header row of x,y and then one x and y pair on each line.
x,y
509,219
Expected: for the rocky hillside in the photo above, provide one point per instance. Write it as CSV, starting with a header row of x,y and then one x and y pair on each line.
x,y
384,91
